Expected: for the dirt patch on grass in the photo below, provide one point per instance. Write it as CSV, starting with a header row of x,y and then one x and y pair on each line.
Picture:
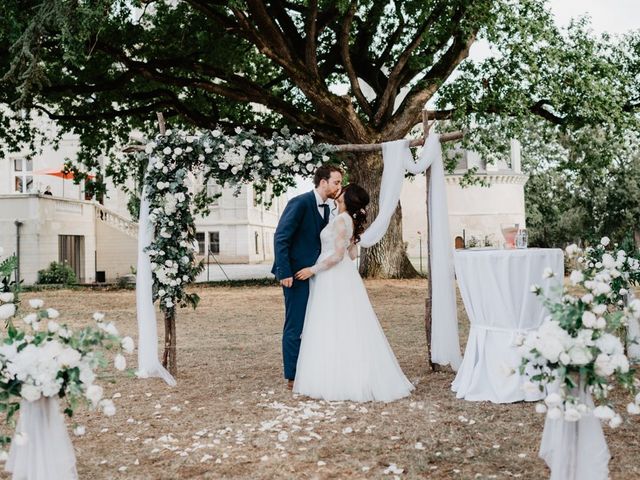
x,y
232,417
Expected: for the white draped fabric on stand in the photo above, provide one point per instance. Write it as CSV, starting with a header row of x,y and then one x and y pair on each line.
x,y
445,344
576,450
47,453
148,363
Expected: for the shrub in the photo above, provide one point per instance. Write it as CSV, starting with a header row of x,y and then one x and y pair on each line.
x,y
58,273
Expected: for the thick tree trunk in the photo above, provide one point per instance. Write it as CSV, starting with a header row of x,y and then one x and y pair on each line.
x,y
388,258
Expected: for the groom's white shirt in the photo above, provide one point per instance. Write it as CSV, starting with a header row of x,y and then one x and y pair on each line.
x,y
329,202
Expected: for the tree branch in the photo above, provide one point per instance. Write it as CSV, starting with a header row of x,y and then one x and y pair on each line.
x,y
385,105
310,41
346,59
409,112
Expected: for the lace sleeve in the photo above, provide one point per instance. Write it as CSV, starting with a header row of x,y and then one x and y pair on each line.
x,y
343,234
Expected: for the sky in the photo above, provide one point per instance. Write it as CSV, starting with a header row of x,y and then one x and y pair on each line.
x,y
612,16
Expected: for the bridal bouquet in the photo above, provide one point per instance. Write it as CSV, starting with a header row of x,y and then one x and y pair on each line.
x,y
42,358
578,352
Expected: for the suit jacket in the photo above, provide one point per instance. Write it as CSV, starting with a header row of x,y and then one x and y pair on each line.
x,y
297,238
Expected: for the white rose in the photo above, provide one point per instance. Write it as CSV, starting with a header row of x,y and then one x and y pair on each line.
x,y
623,291
30,393
52,313
120,362
604,412
108,408
605,241
7,310
633,409
98,317
580,356
86,375
576,277
36,303
94,394
553,400
615,422
64,333
603,365
610,344
571,414
587,299
69,357
599,309
620,362
608,261
53,326
6,297
589,319
601,323
29,319
564,358
548,273
127,344
178,151
541,408
167,150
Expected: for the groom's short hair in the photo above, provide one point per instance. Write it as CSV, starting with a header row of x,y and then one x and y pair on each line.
x,y
324,173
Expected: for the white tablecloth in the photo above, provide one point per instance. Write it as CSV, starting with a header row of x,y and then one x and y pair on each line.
x,y
495,286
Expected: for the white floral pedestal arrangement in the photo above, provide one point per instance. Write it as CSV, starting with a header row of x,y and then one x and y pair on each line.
x,y
578,356
42,363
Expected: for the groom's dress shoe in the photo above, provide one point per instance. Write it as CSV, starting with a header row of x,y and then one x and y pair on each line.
x,y
290,384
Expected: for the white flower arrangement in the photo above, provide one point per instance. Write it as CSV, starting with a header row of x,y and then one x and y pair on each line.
x,y
42,358
230,160
578,351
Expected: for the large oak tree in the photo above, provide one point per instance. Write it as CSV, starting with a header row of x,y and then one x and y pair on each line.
x,y
101,68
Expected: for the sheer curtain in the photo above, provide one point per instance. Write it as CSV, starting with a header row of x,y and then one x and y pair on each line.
x,y
445,344
148,363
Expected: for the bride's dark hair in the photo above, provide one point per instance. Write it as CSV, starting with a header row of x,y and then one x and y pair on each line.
x,y
356,200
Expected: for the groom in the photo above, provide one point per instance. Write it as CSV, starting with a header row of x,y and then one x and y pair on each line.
x,y
296,246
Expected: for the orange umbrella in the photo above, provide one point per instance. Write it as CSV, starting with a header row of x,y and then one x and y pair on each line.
x,y
58,172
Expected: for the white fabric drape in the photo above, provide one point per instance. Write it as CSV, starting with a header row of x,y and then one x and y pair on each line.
x,y
48,453
633,334
495,288
148,363
445,344
576,450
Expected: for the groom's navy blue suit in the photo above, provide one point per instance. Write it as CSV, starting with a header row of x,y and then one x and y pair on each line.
x,y
296,246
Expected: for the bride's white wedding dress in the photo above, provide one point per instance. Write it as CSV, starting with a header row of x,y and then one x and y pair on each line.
x,y
344,354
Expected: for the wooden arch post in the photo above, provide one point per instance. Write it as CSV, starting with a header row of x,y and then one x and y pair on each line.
x,y
428,301
170,354
445,137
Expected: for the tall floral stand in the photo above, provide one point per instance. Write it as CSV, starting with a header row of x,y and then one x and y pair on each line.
x,y
576,450
41,448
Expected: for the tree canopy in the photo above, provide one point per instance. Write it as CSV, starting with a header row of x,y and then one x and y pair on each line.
x,y
345,71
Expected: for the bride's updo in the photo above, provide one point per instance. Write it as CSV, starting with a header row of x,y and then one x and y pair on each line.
x,y
356,200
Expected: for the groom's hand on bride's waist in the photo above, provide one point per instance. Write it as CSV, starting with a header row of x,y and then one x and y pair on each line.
x,y
287,282
304,274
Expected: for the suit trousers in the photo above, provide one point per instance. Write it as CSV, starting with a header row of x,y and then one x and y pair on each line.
x,y
295,307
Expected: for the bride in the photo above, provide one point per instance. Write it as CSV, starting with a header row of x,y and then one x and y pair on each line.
x,y
344,353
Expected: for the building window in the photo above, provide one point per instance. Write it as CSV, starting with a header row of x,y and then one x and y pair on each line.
x,y
214,242
23,175
214,191
256,236
200,239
